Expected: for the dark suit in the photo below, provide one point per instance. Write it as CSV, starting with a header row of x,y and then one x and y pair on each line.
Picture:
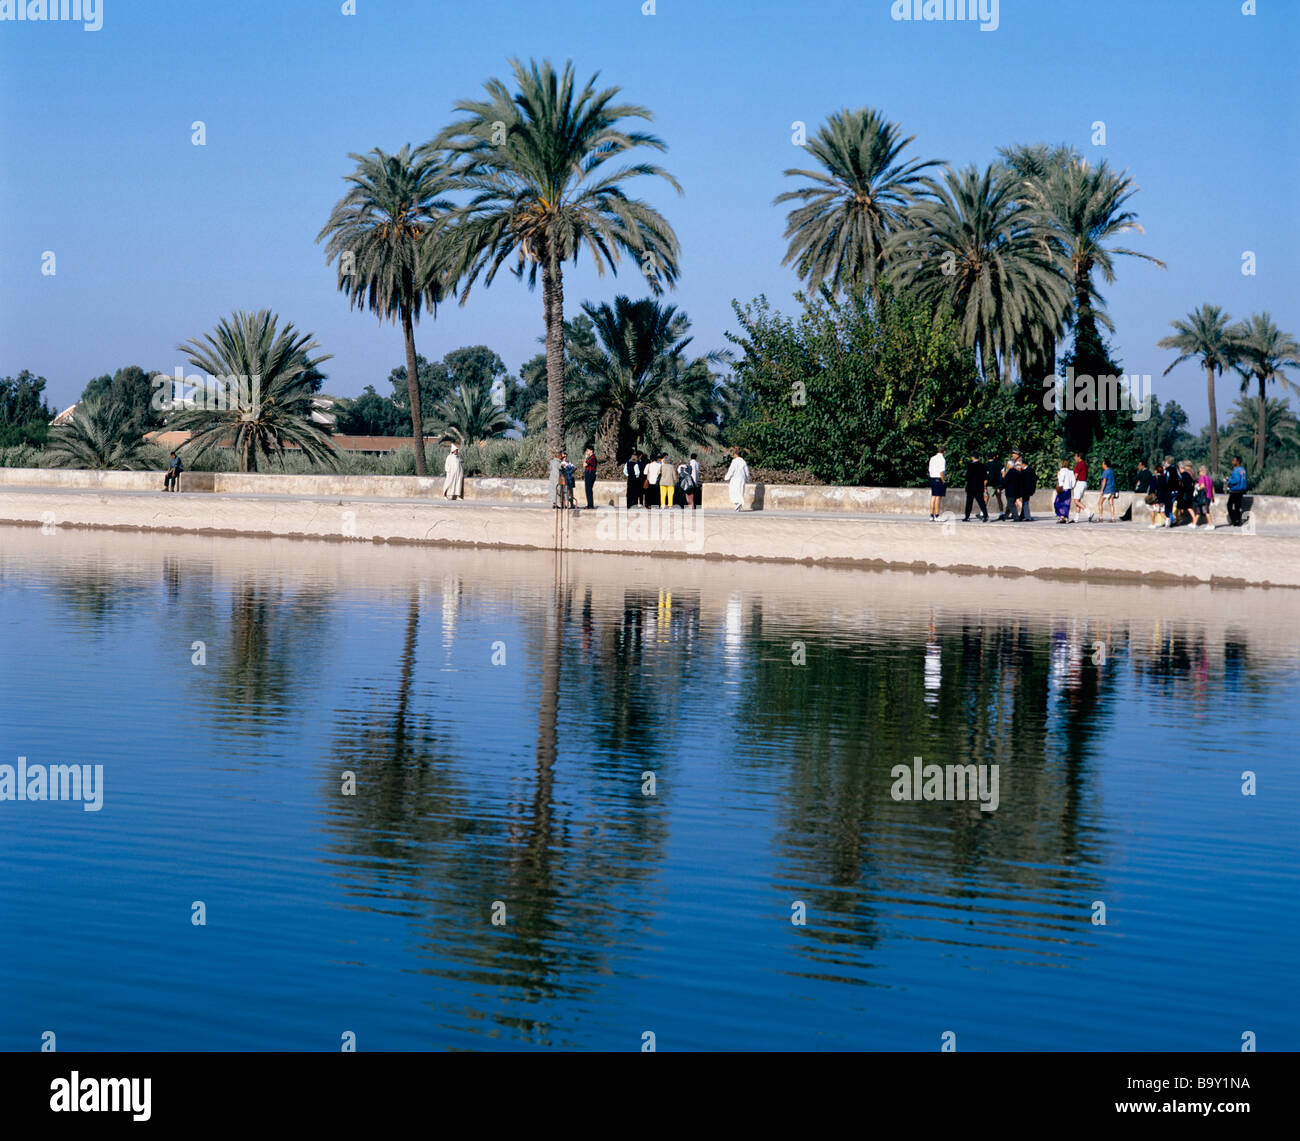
x,y
975,477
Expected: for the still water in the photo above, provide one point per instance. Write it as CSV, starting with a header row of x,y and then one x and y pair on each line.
x,y
502,715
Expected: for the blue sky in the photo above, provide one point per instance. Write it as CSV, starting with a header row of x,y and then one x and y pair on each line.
x,y
156,239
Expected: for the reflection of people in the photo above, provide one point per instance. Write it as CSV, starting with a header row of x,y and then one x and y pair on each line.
x,y
172,480
737,476
453,483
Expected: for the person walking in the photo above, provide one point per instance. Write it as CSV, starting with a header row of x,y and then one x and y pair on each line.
x,y
1028,485
1064,492
1155,495
1011,485
938,469
652,470
632,471
1203,498
1142,484
1108,494
976,477
667,481
453,475
1171,490
993,485
589,476
686,486
737,477
1236,491
1080,482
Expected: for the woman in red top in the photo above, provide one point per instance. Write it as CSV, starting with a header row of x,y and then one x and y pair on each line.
x,y
1080,481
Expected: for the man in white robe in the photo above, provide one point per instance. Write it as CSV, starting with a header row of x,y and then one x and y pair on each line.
x,y
453,483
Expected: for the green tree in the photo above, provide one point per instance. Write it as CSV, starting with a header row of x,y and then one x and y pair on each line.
x,y
637,383
370,415
260,398
860,392
1205,335
133,388
984,253
24,414
100,436
1280,428
433,381
534,162
840,230
1264,351
375,232
470,415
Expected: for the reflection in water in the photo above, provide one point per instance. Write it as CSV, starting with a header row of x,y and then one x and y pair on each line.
x,y
625,910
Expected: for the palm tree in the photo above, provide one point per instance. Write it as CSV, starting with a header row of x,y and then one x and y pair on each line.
x,y
840,231
1280,426
636,382
100,436
374,230
1264,352
1205,335
987,254
470,416
1085,206
534,162
259,393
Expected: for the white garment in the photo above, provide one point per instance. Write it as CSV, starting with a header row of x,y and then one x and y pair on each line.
x,y
695,471
937,466
1065,479
652,472
737,476
454,476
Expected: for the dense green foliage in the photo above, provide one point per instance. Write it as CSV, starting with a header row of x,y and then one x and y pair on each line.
x,y
862,392
24,415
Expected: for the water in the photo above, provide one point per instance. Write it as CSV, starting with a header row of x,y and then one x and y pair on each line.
x,y
500,712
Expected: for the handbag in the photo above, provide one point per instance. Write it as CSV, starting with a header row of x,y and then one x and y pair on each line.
x,y
1152,497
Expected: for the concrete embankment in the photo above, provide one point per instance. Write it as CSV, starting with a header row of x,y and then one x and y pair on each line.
x,y
909,501
1096,552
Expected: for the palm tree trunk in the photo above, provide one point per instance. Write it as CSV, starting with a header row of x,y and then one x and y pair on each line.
x,y
553,299
1214,422
1261,428
413,392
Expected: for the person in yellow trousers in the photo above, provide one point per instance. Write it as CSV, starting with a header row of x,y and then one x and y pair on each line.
x,y
667,481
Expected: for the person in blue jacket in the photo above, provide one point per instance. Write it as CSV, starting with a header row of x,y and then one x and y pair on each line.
x,y
1236,490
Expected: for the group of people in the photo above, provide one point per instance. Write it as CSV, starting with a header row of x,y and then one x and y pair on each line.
x,y
659,478
1175,495
1011,483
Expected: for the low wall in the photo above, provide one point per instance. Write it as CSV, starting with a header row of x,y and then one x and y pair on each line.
x,y
1095,553
607,492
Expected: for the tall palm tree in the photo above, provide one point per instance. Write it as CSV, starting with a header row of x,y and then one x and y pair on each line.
x,y
1280,427
374,231
260,394
100,436
1264,352
636,382
986,253
1086,207
534,161
839,233
1205,334
470,415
